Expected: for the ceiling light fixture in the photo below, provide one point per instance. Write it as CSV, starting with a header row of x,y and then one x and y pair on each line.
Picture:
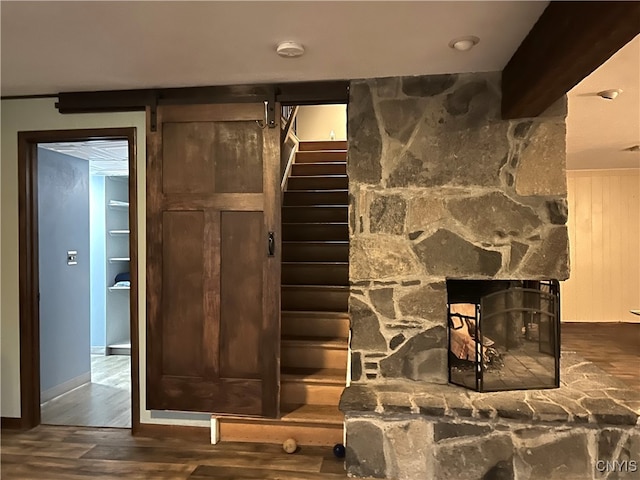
x,y
610,94
290,49
463,44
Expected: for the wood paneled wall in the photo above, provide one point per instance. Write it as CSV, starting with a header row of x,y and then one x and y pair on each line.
x,y
604,231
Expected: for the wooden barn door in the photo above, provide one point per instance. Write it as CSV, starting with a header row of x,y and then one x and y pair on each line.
x,y
213,260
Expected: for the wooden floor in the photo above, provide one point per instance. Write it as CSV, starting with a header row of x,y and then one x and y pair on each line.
x,y
105,402
614,347
52,453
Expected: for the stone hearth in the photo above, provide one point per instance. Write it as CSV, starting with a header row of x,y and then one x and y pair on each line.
x,y
442,188
409,430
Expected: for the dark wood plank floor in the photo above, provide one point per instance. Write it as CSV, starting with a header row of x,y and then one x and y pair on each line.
x,y
57,452
614,347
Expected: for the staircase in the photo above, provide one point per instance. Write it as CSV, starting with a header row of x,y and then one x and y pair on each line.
x,y
315,292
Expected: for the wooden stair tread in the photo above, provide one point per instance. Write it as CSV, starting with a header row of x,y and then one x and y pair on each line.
x,y
323,414
302,225
337,343
326,150
315,314
328,175
320,242
324,190
322,263
314,224
319,168
334,376
334,162
310,145
315,205
298,413
329,288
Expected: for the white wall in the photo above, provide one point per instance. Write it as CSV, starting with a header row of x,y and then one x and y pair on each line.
x,y
316,122
41,114
604,233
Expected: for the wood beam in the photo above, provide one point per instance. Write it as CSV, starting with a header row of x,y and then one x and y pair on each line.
x,y
303,93
568,42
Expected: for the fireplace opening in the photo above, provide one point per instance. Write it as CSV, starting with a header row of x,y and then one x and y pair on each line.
x,y
504,334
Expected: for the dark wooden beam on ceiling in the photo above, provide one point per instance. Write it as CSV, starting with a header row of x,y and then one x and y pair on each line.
x,y
568,42
105,101
313,93
302,93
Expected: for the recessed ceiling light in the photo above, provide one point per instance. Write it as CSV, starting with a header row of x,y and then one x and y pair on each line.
x,y
290,49
464,44
610,94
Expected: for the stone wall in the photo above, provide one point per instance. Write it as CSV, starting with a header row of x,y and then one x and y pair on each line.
x,y
406,430
405,448
441,187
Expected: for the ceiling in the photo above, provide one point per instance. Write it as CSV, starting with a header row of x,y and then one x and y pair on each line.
x,y
50,47
106,157
598,130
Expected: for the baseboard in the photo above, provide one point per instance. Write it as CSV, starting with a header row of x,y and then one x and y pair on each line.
x,y
98,350
199,434
11,423
65,387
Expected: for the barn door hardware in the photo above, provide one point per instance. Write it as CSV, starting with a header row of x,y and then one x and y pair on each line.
x,y
271,108
271,244
153,110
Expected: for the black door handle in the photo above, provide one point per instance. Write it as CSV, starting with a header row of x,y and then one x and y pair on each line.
x,y
271,244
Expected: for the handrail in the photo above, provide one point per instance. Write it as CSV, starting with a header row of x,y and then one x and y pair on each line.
x,y
289,160
287,135
288,125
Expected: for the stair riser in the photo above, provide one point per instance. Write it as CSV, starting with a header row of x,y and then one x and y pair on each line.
x,y
317,183
323,168
248,431
323,145
310,232
309,394
315,275
315,327
315,301
316,198
319,156
313,357
299,252
314,214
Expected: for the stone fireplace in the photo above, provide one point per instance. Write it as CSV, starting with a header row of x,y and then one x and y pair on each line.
x,y
504,334
442,188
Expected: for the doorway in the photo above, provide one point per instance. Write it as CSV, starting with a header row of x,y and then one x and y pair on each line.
x,y
75,371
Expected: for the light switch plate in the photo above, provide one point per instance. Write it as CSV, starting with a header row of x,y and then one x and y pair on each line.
x,y
72,257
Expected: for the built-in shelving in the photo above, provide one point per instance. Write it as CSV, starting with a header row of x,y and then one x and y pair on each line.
x,y
118,259
119,348
115,288
118,204
117,246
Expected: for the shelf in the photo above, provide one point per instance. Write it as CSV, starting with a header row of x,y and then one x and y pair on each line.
x,y
118,232
118,204
113,289
118,259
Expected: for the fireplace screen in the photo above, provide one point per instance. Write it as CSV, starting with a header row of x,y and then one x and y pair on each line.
x,y
504,335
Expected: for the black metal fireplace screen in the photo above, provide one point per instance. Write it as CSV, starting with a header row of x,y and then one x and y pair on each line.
x,y
504,334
